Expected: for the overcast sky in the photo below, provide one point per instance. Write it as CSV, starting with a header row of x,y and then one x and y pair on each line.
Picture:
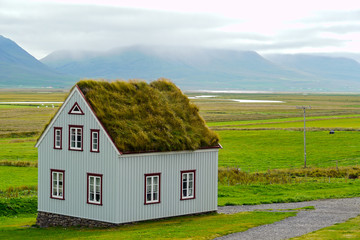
x,y
267,26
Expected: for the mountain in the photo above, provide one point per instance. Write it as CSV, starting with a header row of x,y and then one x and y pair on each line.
x,y
19,69
336,72
190,68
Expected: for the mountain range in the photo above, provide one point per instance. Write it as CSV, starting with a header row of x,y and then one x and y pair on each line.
x,y
190,68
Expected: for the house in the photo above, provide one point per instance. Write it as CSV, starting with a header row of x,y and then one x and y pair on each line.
x,y
122,152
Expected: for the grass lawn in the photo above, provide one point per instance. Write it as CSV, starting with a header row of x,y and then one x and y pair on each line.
x,y
17,176
188,227
18,149
276,193
274,149
347,230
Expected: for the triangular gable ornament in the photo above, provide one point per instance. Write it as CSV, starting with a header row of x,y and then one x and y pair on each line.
x,y
76,110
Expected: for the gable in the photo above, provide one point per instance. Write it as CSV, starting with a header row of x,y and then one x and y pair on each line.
x,y
75,111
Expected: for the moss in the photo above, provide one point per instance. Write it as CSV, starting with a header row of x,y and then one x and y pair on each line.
x,y
148,117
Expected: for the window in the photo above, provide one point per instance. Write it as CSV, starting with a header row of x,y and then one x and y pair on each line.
x,y
94,188
57,179
94,140
75,138
187,184
152,188
76,110
57,138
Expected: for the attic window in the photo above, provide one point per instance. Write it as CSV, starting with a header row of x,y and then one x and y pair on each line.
x,y
76,110
75,137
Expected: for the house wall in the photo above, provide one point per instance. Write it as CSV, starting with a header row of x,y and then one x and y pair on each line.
x,y
132,184
123,188
76,165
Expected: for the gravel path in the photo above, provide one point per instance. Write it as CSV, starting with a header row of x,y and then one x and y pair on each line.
x,y
326,213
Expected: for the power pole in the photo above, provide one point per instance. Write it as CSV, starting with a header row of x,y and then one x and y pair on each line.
x,y
304,109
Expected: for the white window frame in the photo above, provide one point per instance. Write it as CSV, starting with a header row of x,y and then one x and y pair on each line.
x,y
188,184
94,188
57,189
94,140
152,189
76,135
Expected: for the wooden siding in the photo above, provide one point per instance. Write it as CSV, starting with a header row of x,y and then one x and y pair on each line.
x,y
170,165
76,165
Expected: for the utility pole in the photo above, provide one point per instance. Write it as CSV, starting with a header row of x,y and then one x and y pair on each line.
x,y
304,109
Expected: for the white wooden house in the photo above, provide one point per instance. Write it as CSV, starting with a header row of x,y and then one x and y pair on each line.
x,y
90,173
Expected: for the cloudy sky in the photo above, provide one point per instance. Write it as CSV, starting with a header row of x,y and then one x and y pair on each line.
x,y
275,26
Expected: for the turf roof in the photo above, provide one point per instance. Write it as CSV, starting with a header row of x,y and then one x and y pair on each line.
x,y
148,117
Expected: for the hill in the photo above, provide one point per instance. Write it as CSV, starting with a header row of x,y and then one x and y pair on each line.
x,y
189,68
19,69
336,72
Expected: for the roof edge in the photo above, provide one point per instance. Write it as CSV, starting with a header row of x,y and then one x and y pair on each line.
x,y
201,148
54,118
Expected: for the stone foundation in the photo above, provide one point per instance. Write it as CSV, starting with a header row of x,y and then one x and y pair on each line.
x,y
45,219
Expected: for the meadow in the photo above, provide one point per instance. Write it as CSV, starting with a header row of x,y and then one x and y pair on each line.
x,y
261,161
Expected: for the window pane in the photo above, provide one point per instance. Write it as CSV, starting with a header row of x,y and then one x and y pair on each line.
x,y
148,197
91,180
91,197
191,176
184,177
98,197
97,181
155,196
184,192
156,180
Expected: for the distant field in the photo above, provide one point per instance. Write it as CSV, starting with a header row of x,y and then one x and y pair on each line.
x,y
18,149
269,149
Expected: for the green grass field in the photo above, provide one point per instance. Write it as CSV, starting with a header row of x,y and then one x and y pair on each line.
x,y
273,149
17,177
256,138
18,149
188,227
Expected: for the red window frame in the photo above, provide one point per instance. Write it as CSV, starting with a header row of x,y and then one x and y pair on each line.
x,y
98,140
181,184
76,113
51,184
82,137
88,175
55,129
159,188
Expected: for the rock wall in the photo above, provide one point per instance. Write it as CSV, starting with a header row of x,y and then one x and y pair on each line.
x,y
45,219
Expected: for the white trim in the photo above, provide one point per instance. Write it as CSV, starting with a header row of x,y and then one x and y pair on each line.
x,y
91,112
169,153
55,117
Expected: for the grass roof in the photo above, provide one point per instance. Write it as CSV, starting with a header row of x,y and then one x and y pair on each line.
x,y
148,117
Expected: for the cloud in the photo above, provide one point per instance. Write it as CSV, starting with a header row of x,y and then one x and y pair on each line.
x,y
41,27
